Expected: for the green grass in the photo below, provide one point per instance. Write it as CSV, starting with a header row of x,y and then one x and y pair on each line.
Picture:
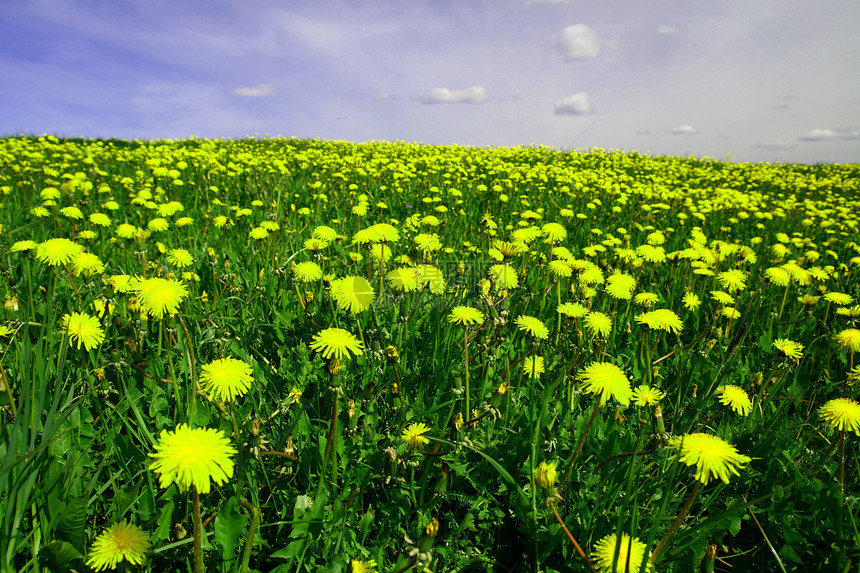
x,y
327,478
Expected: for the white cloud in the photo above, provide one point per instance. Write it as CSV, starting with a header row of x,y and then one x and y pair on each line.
x,y
474,94
668,30
818,135
647,132
831,134
382,96
577,104
777,145
261,90
682,130
578,42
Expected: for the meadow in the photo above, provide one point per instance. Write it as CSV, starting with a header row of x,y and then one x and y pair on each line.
x,y
297,355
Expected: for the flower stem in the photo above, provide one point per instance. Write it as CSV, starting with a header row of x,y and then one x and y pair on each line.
x,y
576,546
677,523
579,445
198,531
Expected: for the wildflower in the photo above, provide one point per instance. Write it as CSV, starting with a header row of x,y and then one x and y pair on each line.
x,y
100,219
258,233
295,394
572,309
84,328
661,319
120,283
848,339
19,246
121,541
731,313
324,233
645,299
553,233
180,258
504,276
631,554
620,285
307,271
533,366
57,252
842,414
190,457
158,296
839,298
72,212
358,566
790,348
598,323
808,299
777,276
337,342
430,276
644,395
402,279
226,378
88,264
712,456
545,475
691,301
532,326
560,268
413,435
353,294
735,397
608,380
158,224
733,280
466,315
723,298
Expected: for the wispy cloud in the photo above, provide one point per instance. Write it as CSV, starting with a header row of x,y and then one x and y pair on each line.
x,y
579,42
838,133
777,145
682,130
474,94
667,30
577,104
260,90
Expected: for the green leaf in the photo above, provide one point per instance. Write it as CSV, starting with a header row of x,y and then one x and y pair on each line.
x,y
62,557
229,526
71,525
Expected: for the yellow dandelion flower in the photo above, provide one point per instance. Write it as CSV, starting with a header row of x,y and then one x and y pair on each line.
x,y
842,414
598,324
532,326
848,339
226,379
413,435
180,258
533,366
88,264
56,252
353,294
661,319
735,397
336,342
158,296
307,271
723,298
466,315
839,298
733,280
192,457
402,279
777,276
572,309
646,299
100,219
608,381
84,329
790,348
632,555
545,475
644,395
620,286
358,566
691,301
504,277
712,456
121,541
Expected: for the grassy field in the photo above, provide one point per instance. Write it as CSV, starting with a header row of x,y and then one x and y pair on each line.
x,y
291,355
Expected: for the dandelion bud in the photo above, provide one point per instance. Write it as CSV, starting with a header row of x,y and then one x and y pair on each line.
x,y
11,303
545,475
391,353
757,379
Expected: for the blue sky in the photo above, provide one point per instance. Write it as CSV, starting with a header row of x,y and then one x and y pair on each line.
x,y
768,80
